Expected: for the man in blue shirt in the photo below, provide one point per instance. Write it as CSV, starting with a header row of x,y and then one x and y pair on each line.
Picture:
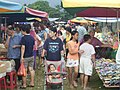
x,y
13,46
53,46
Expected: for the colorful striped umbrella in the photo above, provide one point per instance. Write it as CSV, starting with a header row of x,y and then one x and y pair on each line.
x,y
7,6
11,9
81,20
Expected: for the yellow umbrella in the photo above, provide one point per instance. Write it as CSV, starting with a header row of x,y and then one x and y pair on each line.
x,y
81,20
93,8
91,3
78,20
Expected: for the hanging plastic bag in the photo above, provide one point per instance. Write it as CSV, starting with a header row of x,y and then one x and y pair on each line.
x,y
22,71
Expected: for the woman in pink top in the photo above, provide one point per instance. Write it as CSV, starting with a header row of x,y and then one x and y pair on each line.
x,y
37,41
73,58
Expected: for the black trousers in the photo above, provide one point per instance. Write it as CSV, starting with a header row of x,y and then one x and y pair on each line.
x,y
17,65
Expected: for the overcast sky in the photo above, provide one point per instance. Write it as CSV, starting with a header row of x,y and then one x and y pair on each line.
x,y
52,3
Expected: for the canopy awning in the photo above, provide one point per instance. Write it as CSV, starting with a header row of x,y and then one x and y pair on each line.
x,y
14,12
102,19
36,19
7,6
53,19
20,16
91,3
81,20
92,8
36,12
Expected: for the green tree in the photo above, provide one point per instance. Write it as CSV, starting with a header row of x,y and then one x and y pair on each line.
x,y
57,12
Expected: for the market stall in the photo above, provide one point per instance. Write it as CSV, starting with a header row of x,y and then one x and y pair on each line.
x,y
9,64
7,70
109,72
3,51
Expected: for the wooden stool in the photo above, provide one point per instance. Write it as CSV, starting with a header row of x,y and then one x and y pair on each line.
x,y
3,85
12,83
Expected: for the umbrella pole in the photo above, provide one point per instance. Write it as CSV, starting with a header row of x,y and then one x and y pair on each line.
x,y
118,24
5,27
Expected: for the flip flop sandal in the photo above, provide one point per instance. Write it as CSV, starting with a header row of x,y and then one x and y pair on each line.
x,y
30,85
23,87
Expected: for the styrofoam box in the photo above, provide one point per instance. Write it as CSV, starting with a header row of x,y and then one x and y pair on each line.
x,y
2,74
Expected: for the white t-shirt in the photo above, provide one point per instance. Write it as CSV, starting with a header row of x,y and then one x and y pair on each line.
x,y
88,50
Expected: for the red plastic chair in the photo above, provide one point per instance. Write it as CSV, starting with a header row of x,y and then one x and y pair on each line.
x,y
2,85
11,76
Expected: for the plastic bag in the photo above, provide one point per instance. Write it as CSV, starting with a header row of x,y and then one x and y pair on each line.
x,y
22,71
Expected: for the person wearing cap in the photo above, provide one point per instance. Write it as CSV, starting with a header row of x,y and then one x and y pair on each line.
x,y
13,46
53,46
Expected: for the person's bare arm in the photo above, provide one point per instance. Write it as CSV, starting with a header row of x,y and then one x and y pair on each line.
x,y
7,42
93,60
106,45
43,53
45,36
22,52
16,46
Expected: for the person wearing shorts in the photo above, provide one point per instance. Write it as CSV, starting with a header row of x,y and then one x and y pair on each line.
x,y
87,60
39,53
27,44
29,62
72,62
73,58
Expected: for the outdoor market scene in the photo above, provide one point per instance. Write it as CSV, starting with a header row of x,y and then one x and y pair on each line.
x,y
59,45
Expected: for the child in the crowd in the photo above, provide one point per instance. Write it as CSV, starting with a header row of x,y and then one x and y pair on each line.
x,y
52,68
73,58
87,60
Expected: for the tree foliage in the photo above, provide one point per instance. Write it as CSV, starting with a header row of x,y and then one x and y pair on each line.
x,y
57,12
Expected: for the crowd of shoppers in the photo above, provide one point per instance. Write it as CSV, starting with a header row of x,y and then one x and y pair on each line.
x,y
76,45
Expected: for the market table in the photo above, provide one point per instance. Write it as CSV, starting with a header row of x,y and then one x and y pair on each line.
x,y
109,72
3,52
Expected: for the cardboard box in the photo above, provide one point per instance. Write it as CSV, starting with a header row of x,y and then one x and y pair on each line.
x,y
3,68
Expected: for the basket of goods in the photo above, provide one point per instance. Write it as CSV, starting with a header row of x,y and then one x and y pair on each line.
x,y
3,51
10,65
3,69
